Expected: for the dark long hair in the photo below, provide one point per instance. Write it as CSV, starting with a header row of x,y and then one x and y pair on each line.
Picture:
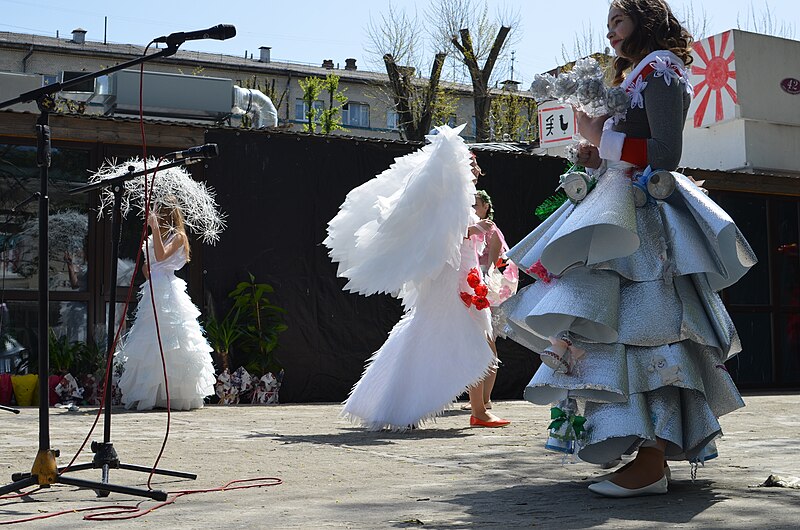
x,y
655,28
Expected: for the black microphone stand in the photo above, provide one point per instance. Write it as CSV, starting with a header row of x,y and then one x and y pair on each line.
x,y
44,471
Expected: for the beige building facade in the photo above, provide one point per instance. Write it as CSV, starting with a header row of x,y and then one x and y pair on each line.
x,y
368,112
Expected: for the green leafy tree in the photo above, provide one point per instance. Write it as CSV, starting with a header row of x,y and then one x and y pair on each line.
x,y
331,117
444,105
312,87
513,117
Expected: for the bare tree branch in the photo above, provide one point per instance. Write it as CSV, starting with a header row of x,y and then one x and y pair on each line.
x,y
696,23
585,43
395,33
765,21
465,27
449,17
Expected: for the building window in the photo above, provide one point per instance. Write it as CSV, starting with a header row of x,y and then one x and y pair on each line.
x,y
72,255
301,109
355,114
392,120
48,80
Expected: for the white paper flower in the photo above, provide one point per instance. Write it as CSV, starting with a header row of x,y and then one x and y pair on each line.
x,y
663,68
617,100
571,153
636,89
587,67
565,86
542,87
591,92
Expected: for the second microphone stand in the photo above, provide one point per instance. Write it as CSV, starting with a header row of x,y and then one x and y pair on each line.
x,y
105,456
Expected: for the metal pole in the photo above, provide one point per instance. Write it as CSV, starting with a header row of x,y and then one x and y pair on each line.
x,y
43,158
116,236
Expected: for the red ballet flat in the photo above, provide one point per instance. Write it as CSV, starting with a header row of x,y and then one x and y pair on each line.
x,y
477,422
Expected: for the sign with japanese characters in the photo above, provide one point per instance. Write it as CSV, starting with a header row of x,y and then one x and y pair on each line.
x,y
557,124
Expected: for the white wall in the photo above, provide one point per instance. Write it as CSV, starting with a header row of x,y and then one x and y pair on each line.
x,y
761,131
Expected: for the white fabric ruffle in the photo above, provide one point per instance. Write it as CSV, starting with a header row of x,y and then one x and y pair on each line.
x,y
187,354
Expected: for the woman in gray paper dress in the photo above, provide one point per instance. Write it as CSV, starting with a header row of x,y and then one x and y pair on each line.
x,y
625,312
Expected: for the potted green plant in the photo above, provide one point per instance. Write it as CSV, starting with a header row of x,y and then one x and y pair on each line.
x,y
223,333
263,322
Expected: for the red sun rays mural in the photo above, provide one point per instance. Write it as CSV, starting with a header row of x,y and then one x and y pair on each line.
x,y
714,79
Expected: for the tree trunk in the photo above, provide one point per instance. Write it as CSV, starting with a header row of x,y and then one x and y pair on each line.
x,y
480,77
483,106
426,115
413,127
401,97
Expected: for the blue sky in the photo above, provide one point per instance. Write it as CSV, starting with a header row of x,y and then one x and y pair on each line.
x,y
322,32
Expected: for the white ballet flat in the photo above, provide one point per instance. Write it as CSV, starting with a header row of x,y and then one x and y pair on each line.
x,y
609,476
609,489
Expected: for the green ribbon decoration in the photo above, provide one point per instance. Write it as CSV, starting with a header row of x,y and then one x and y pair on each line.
x,y
550,205
560,417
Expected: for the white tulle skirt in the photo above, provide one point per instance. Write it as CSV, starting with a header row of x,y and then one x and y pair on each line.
x,y
190,372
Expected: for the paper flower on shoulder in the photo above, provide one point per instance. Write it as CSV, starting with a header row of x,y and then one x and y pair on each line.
x,y
663,68
636,89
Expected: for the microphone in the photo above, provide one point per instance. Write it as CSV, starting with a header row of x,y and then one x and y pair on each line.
x,y
201,151
219,32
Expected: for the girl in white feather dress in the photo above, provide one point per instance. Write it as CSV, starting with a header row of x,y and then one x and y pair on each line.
x,y
404,233
190,372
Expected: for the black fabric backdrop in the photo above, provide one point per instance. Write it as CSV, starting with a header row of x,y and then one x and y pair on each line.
x,y
279,191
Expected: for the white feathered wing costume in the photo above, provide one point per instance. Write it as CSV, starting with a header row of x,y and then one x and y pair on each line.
x,y
403,233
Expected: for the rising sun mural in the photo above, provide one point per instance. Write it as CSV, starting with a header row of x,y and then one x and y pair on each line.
x,y
714,79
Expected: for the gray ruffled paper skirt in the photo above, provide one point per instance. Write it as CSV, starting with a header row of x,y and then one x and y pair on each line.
x,y
635,289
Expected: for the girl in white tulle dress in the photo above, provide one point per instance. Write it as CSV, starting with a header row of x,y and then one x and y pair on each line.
x,y
406,233
190,373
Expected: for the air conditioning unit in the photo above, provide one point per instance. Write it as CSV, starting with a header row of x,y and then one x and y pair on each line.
x,y
12,85
167,95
